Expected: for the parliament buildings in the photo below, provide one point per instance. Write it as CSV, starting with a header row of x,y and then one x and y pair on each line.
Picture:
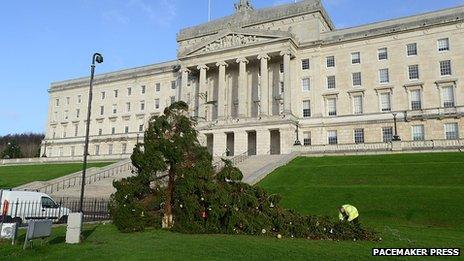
x,y
279,80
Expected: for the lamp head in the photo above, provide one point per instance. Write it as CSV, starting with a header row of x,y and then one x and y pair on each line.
x,y
98,58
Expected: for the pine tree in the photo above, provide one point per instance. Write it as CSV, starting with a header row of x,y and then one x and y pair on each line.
x,y
12,151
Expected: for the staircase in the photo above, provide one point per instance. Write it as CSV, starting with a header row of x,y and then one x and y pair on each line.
x,y
256,168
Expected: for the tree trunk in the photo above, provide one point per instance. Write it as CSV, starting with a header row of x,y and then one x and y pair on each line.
x,y
168,221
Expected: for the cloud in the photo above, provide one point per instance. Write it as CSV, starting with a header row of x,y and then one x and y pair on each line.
x,y
115,16
164,13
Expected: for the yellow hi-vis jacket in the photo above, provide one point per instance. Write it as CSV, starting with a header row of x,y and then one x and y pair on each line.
x,y
351,211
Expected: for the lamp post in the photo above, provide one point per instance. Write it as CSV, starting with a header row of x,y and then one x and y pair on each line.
x,y
396,137
297,141
99,59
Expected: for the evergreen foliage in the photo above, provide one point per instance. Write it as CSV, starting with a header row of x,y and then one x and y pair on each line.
x,y
195,199
12,151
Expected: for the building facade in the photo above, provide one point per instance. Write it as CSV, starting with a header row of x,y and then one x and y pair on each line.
x,y
278,80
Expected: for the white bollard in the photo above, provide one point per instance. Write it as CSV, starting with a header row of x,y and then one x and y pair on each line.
x,y
74,228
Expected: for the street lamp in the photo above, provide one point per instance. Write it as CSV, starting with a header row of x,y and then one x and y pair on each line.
x,y
297,141
99,59
396,137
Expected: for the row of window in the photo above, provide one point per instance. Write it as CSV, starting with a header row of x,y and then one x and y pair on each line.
x,y
385,102
100,131
443,45
451,132
384,76
72,150
103,94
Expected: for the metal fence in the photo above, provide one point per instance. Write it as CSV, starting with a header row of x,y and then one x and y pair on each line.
x,y
23,211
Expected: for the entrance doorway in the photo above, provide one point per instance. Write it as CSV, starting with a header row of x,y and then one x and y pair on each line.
x,y
251,143
275,142
230,144
209,143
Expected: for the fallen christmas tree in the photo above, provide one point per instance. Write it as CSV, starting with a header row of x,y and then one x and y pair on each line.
x,y
176,187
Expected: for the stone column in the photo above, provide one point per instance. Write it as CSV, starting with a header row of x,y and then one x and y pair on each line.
x,y
219,144
264,100
202,91
263,142
242,88
287,55
221,100
184,83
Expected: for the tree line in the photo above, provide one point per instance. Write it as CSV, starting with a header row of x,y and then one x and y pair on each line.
x,y
25,145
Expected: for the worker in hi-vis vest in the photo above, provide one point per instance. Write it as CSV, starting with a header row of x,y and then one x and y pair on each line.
x,y
348,213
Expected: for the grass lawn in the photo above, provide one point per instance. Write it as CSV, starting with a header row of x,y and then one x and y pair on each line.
x,y
412,200
13,176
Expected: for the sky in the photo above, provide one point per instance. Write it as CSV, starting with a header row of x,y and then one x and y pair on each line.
x,y
52,40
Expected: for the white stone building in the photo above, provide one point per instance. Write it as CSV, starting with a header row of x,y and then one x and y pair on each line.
x,y
264,81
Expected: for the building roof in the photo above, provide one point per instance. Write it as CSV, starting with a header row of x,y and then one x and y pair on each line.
x,y
249,17
435,18
163,67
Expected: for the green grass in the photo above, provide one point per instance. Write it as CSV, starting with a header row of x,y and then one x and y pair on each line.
x,y
411,200
13,176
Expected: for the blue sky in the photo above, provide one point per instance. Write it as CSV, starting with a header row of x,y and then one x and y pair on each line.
x,y
51,40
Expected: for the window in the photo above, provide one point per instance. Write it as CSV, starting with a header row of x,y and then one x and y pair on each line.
x,y
103,95
281,68
129,91
282,87
448,96
173,85
445,68
97,150
124,148
142,105
110,149
412,49
384,76
387,134
413,71
173,99
307,138
68,100
306,84
78,113
126,129
305,64
100,132
57,102
157,104
358,104
385,102
330,61
383,54
306,109
359,136
79,99
48,203
356,58
102,110
73,151
114,109
451,131
115,93
76,130
158,87
55,116
64,132
128,106
443,45
418,132
357,81
143,89
332,106
331,84
416,101
113,130
66,114
140,127
332,137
